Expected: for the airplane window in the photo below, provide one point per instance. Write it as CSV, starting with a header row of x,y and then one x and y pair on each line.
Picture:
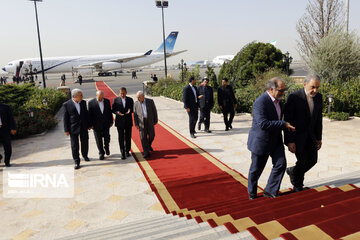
x,y
10,64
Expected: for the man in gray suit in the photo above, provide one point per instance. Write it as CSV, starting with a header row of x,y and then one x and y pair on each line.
x,y
145,117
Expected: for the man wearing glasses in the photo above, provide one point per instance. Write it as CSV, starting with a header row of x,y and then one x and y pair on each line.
x,y
265,139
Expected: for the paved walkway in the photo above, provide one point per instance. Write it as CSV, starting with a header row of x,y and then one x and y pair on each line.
x,y
115,191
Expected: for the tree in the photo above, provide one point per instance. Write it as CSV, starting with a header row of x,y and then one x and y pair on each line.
x,y
320,18
337,57
255,58
210,74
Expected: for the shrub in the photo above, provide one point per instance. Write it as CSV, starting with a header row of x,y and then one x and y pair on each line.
x,y
340,116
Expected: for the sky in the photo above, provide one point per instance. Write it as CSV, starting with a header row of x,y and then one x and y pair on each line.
x,y
207,28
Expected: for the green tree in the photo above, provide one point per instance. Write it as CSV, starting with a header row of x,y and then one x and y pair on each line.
x,y
253,59
210,74
337,57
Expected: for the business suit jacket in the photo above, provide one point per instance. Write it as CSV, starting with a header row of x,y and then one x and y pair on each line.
x,y
266,131
203,102
126,120
189,98
7,119
73,122
152,117
226,96
297,113
100,121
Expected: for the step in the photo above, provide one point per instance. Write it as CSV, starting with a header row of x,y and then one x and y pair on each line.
x,y
306,218
339,180
276,213
336,227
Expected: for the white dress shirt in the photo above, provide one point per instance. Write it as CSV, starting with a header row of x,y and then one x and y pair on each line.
x,y
77,106
194,91
101,105
0,122
310,101
123,102
143,106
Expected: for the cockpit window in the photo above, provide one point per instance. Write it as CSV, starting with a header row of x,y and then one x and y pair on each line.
x,y
10,64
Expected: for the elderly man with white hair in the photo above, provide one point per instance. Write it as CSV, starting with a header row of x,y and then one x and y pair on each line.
x,y
145,117
76,124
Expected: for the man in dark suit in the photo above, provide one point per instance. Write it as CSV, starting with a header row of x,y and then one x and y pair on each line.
x,y
206,104
101,119
303,109
145,118
191,104
123,108
227,103
7,128
265,139
76,124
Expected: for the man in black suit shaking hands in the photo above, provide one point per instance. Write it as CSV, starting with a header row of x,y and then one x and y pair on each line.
x,y
7,128
76,124
123,107
101,119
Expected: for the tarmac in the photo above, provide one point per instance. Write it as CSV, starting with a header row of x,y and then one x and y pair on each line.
x,y
114,191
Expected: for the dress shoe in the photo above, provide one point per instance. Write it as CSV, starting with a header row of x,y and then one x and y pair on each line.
x,y
107,151
298,189
77,166
269,195
291,175
101,157
146,155
151,149
87,159
192,135
123,156
252,197
230,126
226,129
208,131
128,154
7,165
0,157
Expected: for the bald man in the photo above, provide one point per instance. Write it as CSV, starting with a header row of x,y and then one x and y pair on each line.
x,y
101,119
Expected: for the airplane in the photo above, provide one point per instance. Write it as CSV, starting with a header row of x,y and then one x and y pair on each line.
x,y
85,65
220,60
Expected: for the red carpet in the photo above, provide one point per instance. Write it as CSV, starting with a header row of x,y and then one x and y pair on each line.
x,y
190,182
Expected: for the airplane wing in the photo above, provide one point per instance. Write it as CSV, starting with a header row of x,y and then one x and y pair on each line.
x,y
174,53
98,65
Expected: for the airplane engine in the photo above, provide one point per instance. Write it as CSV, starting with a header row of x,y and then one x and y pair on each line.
x,y
108,66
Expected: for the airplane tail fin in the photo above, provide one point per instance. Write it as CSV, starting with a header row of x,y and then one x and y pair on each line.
x,y
169,43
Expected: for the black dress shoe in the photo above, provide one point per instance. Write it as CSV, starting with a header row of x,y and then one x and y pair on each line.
x,y
298,189
146,155
77,166
291,175
101,157
107,151
230,126
208,131
7,165
252,197
269,195
128,154
226,129
192,135
87,159
123,156
0,157
151,149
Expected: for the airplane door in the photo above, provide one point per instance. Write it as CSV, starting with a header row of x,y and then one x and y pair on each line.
x,y
18,68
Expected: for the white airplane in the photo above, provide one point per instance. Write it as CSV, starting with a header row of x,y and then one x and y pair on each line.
x,y
88,64
220,60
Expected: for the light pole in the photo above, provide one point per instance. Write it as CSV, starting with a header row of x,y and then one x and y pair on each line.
x,y
163,4
182,65
347,17
288,60
38,32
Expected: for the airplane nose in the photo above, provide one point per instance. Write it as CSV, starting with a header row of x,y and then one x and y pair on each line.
x,y
4,69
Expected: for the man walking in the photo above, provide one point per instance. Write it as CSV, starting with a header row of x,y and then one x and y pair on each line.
x,y
303,110
206,104
7,128
227,102
145,118
123,108
76,125
265,139
191,104
101,119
